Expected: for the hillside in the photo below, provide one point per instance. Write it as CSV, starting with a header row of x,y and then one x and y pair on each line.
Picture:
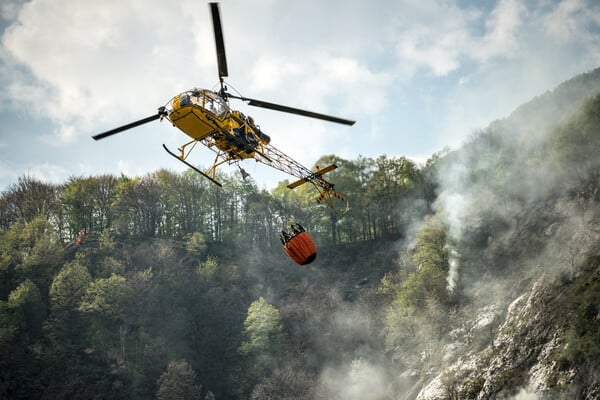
x,y
474,276
522,205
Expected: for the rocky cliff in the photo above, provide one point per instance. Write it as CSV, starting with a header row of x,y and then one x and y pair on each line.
x,y
532,285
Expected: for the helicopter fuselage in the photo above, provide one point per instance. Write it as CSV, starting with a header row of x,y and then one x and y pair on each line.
x,y
205,116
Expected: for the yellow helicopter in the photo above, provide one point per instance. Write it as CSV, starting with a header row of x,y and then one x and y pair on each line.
x,y
205,116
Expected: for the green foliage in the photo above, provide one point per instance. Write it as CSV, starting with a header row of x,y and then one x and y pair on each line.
x,y
27,293
8,325
121,305
107,297
264,333
87,203
419,294
108,266
165,204
69,287
208,267
583,338
27,200
196,244
430,263
41,249
29,250
26,304
401,327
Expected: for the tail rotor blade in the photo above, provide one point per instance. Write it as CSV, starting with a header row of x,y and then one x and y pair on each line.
x,y
220,43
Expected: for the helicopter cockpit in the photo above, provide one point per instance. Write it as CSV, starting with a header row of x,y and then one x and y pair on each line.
x,y
206,99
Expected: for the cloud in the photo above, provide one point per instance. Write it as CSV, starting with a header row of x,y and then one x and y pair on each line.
x,y
571,20
85,63
328,82
448,36
7,173
9,9
502,31
44,172
49,173
272,73
437,42
126,168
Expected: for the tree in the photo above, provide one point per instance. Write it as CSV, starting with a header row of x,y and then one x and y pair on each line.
x,y
259,215
87,203
264,333
346,180
65,326
285,384
107,297
430,259
420,296
8,325
26,302
182,197
27,200
149,210
105,302
429,178
41,252
68,288
196,244
178,382
574,146
137,207
29,250
124,205
351,178
392,183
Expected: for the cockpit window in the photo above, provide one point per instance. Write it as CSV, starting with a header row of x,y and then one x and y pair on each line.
x,y
214,103
196,98
205,99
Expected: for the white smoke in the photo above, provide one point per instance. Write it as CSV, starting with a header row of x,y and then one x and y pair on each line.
x,y
454,204
524,394
361,380
453,263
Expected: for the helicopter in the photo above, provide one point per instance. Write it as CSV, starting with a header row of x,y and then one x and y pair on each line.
x,y
207,118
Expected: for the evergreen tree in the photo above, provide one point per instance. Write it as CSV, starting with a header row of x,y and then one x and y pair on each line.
x,y
178,382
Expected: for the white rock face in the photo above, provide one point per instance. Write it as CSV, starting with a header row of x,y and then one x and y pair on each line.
x,y
520,352
435,390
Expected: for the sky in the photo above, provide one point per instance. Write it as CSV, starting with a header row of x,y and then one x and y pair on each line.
x,y
418,76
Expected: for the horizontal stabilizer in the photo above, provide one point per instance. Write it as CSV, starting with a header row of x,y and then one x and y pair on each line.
x,y
315,175
328,168
297,183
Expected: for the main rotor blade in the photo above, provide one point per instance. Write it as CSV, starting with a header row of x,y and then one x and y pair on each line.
x,y
292,110
221,59
128,126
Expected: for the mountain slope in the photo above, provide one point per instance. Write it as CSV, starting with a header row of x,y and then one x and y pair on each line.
x,y
522,206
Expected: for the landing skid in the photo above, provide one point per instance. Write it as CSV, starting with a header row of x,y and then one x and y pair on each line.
x,y
191,166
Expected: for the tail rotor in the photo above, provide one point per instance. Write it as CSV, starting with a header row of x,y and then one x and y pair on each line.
x,y
337,201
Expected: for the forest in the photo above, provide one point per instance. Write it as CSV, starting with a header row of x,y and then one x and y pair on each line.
x,y
165,286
